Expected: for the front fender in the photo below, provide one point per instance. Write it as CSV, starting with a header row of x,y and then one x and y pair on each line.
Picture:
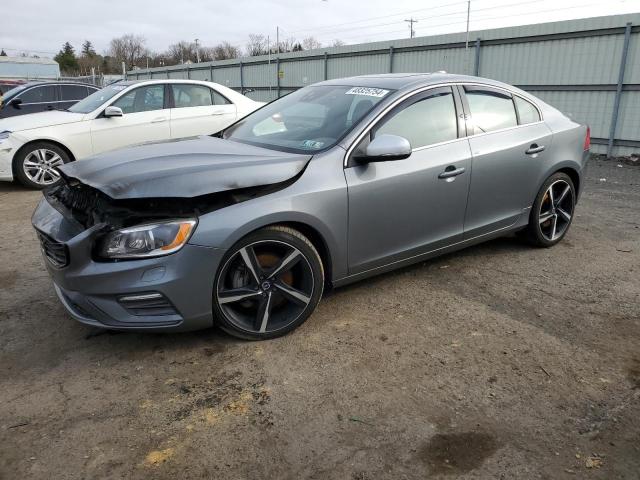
x,y
318,200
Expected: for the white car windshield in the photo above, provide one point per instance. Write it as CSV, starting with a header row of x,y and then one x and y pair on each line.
x,y
97,99
309,120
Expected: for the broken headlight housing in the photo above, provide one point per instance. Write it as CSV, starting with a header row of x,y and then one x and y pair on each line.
x,y
151,240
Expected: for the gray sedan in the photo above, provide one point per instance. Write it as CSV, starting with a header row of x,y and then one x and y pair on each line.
x,y
331,184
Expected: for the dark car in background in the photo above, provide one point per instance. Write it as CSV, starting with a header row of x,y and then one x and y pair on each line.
x,y
34,97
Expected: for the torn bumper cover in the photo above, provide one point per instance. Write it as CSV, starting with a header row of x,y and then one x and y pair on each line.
x,y
158,293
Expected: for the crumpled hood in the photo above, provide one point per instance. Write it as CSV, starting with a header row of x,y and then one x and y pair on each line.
x,y
39,120
184,168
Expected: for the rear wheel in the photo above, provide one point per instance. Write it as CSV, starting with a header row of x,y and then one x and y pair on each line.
x,y
552,211
269,283
36,165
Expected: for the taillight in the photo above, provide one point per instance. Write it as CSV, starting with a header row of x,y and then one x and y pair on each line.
x,y
587,140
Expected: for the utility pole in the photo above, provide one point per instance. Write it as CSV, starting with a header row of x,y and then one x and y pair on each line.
x,y
466,43
278,39
197,51
411,21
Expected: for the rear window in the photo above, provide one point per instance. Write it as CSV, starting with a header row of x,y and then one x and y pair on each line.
x,y
73,92
527,112
491,111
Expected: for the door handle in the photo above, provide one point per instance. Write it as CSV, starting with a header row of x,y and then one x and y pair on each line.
x,y
218,112
451,171
159,119
534,148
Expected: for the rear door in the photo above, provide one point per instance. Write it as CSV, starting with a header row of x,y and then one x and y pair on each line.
x,y
198,110
509,144
145,119
402,208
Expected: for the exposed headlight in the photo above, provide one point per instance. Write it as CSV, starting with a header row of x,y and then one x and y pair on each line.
x,y
4,135
152,240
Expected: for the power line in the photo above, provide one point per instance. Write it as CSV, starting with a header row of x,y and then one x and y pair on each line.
x,y
331,27
473,19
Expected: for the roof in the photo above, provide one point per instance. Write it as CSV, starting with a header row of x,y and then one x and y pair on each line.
x,y
32,60
399,81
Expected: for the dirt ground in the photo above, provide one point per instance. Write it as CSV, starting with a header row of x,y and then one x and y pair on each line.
x,y
500,361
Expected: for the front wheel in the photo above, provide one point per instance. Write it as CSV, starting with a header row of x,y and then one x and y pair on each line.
x,y
36,164
552,211
269,283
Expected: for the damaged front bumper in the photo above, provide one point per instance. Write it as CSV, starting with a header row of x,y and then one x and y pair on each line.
x,y
173,292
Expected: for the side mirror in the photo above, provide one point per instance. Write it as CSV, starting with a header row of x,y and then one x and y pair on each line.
x,y
15,103
113,112
386,147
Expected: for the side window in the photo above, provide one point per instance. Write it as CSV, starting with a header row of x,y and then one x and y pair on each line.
x,y
490,110
142,99
39,95
527,112
425,122
73,92
191,96
219,99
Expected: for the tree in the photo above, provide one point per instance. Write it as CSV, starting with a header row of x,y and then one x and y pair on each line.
x,y
225,51
181,52
337,43
257,45
87,49
128,49
3,53
310,43
66,58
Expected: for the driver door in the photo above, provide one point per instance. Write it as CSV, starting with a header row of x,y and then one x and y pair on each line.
x,y
145,119
402,208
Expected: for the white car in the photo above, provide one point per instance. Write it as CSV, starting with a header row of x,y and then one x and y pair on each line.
x,y
125,113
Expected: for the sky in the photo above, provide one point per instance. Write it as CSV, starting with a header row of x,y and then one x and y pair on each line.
x,y
41,26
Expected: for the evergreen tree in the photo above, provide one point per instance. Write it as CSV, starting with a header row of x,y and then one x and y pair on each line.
x,y
66,58
3,53
88,50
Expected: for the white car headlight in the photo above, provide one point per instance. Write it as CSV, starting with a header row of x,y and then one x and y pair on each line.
x,y
4,135
152,240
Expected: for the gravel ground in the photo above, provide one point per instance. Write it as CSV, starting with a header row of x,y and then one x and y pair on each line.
x,y
500,361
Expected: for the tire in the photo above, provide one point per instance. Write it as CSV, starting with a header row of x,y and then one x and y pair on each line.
x,y
34,165
552,211
268,284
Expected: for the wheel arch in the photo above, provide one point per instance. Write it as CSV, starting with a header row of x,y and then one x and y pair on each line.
x,y
574,176
318,241
60,145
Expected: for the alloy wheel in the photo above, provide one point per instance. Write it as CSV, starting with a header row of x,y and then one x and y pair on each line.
x,y
265,286
556,210
40,166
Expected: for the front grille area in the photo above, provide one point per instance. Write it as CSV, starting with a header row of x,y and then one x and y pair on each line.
x,y
56,252
147,304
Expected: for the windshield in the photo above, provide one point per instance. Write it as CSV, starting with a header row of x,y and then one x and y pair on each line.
x,y
311,119
10,93
96,99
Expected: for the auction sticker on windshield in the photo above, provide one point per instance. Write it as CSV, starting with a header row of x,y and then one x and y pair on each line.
x,y
367,91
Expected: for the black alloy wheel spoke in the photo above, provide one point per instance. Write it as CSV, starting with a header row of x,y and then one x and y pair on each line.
x,y
264,313
291,294
237,295
286,264
251,261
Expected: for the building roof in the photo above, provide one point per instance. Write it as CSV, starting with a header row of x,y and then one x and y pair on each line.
x,y
31,60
